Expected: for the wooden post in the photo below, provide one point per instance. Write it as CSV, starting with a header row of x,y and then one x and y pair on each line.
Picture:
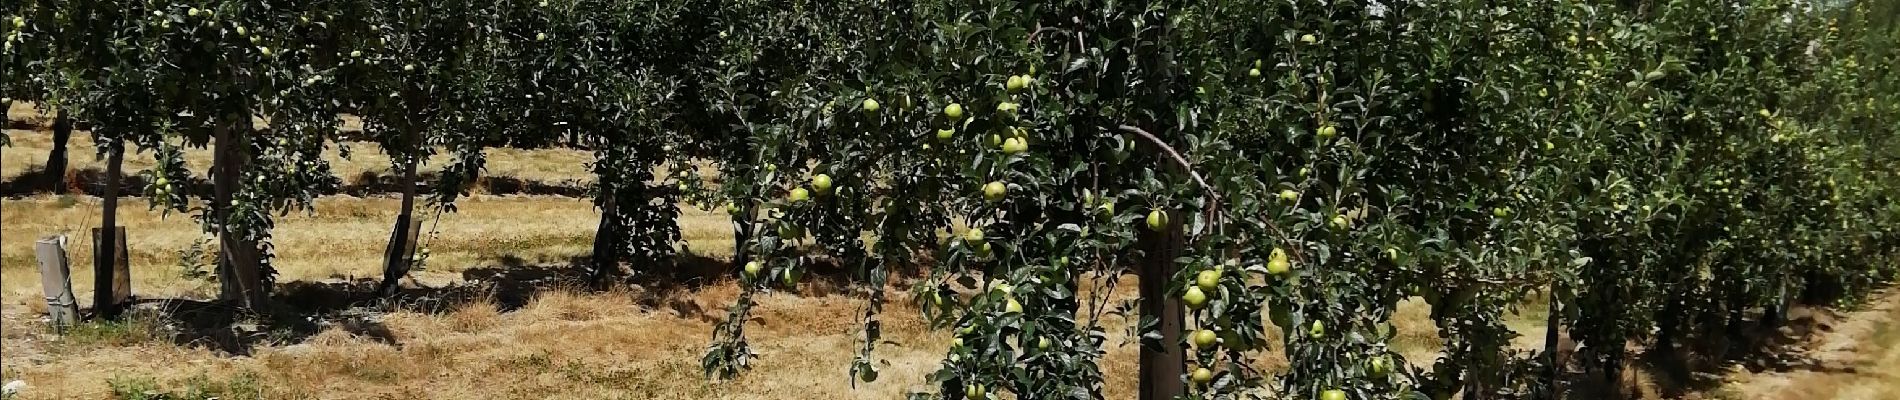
x,y
112,277
57,285
1162,369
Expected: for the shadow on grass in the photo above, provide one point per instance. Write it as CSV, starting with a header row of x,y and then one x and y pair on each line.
x,y
302,309
91,181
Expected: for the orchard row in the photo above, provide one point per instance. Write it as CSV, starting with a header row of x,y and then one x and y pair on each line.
x,y
1663,172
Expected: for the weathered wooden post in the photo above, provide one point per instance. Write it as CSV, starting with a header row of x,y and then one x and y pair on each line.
x,y
112,275
1162,368
55,281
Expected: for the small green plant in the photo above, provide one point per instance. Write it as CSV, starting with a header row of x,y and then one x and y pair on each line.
x,y
191,260
127,331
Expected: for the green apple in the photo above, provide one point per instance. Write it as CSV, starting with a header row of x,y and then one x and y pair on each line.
x,y
1207,280
946,134
1013,307
752,269
799,194
973,237
1202,376
953,111
1327,131
1308,38
1379,366
870,106
1205,339
1318,330
1015,145
1289,195
1194,298
1333,394
1043,343
995,191
822,183
1157,220
1255,72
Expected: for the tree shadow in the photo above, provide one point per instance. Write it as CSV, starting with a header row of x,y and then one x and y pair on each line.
x,y
88,181
91,181
300,310
1758,345
375,182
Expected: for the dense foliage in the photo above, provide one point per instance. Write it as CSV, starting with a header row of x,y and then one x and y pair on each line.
x,y
1662,172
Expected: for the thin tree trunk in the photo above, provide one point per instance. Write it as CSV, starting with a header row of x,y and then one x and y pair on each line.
x,y
606,239
1552,323
56,161
105,255
402,247
238,268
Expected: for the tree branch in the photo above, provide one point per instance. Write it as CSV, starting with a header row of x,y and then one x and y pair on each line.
x,y
1178,159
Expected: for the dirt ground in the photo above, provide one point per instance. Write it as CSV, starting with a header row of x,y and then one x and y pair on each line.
x,y
1849,357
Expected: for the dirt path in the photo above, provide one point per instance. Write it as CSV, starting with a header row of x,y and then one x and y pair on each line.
x,y
1849,362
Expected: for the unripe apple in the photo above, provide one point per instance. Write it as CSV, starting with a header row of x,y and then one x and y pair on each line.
x,y
995,191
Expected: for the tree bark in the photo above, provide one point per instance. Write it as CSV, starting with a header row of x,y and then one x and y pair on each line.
x,y
1551,325
56,161
401,252
1162,368
238,269
606,239
105,255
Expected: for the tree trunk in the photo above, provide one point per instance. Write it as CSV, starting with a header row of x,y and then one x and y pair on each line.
x,y
56,161
1552,323
1162,369
606,239
400,254
105,255
238,269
